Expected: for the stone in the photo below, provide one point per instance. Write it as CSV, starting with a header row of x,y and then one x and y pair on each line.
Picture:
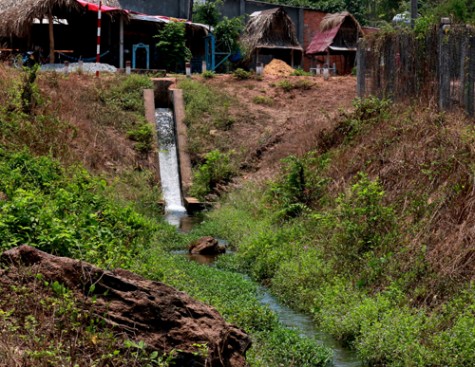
x,y
206,246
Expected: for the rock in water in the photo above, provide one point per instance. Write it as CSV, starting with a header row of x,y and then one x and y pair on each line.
x,y
206,246
164,318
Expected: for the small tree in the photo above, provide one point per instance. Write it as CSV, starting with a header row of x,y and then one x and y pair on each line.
x,y
228,31
172,45
207,13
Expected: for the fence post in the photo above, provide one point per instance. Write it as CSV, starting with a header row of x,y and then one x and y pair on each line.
x,y
444,64
360,69
470,94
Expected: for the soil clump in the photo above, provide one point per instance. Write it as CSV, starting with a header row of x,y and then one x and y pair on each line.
x,y
165,319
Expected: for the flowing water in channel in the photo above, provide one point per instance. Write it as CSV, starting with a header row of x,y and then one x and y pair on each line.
x,y
342,357
169,167
175,214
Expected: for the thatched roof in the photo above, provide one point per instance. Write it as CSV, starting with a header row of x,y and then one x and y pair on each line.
x,y
270,28
329,27
17,15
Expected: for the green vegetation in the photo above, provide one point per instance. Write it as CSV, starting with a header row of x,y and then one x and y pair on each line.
x,y
353,253
207,113
208,74
65,210
207,12
287,85
300,72
171,42
235,299
242,74
265,100
215,170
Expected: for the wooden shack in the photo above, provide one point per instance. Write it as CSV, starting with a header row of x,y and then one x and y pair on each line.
x,y
271,34
336,42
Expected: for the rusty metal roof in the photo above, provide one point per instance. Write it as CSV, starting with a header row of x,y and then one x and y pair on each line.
x,y
329,28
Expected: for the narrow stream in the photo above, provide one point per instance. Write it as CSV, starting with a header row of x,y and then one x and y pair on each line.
x,y
342,357
169,167
175,214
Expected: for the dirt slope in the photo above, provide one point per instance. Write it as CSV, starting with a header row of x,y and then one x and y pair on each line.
x,y
279,116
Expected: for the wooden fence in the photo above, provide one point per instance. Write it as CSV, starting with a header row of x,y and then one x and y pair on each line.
x,y
438,66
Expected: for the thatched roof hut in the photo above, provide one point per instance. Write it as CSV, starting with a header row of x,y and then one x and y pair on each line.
x,y
271,32
16,16
68,29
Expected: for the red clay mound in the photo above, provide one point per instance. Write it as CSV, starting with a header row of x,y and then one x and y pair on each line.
x,y
164,318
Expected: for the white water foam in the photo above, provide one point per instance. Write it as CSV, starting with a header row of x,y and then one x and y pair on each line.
x,y
169,168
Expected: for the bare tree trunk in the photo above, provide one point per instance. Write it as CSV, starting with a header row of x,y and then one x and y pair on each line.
x,y
51,38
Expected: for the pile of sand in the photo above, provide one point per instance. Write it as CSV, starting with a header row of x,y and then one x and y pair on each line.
x,y
278,68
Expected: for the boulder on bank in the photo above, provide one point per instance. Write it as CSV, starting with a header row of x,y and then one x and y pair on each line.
x,y
206,246
164,318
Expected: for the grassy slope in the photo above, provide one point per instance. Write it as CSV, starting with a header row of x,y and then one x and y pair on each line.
x,y
106,215
372,233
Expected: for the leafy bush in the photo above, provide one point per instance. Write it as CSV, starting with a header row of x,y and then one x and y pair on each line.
x,y
208,74
242,74
301,183
143,135
362,222
284,347
66,213
172,45
286,85
215,170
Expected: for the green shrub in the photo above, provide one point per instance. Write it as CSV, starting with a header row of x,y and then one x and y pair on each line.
x,y
216,169
368,111
301,183
284,347
143,136
208,74
67,213
242,74
394,337
300,72
362,222
285,85
265,100
299,280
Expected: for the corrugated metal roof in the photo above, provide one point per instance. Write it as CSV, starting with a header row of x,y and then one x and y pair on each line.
x,y
329,28
322,40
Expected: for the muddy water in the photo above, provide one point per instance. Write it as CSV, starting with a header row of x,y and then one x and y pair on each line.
x,y
342,357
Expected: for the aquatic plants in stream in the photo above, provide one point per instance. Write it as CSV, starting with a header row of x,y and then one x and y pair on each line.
x,y
235,297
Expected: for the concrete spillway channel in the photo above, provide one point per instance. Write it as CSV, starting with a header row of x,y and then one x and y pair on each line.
x,y
164,108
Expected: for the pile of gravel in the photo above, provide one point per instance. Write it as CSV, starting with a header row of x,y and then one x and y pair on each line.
x,y
87,67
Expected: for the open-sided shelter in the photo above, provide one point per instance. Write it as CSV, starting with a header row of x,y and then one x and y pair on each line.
x,y
271,34
67,30
336,41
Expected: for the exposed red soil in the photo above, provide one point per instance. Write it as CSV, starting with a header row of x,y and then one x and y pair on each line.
x,y
272,123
